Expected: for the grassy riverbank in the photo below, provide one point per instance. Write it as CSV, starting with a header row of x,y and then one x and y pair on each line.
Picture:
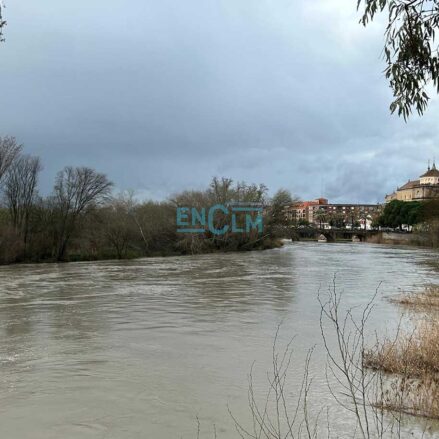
x,y
416,239
411,359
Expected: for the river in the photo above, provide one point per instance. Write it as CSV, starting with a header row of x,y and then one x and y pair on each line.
x,y
141,348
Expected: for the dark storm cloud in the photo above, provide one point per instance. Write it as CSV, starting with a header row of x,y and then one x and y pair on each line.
x,y
164,95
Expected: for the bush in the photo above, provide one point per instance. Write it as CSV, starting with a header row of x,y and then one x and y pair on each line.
x,y
11,246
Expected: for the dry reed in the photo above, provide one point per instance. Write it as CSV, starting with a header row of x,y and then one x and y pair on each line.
x,y
429,298
412,354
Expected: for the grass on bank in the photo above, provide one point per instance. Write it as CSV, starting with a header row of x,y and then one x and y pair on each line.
x,y
412,354
414,397
411,361
429,298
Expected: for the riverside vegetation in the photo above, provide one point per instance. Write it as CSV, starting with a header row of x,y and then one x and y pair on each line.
x,y
413,355
379,387
422,217
83,220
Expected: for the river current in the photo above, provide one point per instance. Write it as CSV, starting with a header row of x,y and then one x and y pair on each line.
x,y
142,348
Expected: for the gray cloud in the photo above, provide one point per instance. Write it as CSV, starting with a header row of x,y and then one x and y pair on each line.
x,y
163,95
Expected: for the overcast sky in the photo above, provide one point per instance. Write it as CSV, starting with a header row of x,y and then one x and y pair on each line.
x,y
162,95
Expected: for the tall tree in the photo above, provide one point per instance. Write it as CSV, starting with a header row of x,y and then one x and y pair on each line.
x,y
410,49
398,213
9,151
222,189
21,191
120,223
76,189
278,225
280,201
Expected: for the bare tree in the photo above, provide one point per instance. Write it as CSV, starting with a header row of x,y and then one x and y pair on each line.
x,y
120,226
21,191
9,150
76,189
155,223
221,190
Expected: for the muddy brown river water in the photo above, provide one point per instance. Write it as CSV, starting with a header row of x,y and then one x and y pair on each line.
x,y
139,349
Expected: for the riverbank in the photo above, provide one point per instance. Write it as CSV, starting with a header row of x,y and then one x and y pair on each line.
x,y
411,358
414,239
260,245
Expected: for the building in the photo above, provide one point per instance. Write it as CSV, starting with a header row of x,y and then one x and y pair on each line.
x,y
321,213
426,188
305,211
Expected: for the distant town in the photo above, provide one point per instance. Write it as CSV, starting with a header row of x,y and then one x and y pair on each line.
x,y
325,215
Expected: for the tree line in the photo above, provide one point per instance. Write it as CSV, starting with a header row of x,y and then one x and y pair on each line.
x,y
422,216
82,219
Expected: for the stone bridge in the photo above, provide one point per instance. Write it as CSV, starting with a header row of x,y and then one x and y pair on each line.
x,y
333,235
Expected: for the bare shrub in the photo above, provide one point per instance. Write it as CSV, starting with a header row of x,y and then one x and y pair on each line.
x,y
280,414
355,388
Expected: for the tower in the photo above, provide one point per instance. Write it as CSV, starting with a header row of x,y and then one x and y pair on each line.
x,y
431,177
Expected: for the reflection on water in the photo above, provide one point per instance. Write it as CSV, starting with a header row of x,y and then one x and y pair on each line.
x,y
138,349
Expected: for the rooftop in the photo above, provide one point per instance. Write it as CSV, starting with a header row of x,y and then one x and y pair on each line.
x,y
410,185
433,172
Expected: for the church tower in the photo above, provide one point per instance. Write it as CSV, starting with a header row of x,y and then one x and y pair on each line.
x,y
431,177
